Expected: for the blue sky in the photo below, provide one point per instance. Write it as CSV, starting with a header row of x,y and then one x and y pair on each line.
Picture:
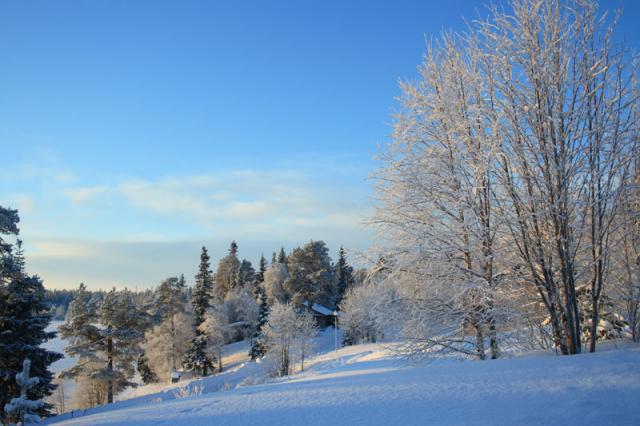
x,y
132,133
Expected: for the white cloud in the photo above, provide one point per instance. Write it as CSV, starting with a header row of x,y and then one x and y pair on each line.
x,y
84,195
22,202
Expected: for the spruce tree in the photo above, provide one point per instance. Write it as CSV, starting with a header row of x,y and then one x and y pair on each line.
x,y
344,276
259,276
258,346
197,359
258,343
282,256
24,317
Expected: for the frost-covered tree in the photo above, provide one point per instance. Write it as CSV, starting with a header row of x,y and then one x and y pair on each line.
x,y
227,275
196,358
274,278
626,260
288,332
363,313
507,165
165,345
24,408
216,328
106,342
24,317
305,332
121,337
258,347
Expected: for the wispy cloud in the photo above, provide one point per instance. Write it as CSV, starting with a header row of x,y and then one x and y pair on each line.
x,y
83,195
135,231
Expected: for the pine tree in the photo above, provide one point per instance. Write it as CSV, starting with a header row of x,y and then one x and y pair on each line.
x,y
23,319
228,273
196,358
344,276
120,319
24,408
165,343
311,277
106,354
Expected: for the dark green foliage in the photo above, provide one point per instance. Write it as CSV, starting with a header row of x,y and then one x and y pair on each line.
x,y
258,345
344,277
24,317
196,358
311,278
146,374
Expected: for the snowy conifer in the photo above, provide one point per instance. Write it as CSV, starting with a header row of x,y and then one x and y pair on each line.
x,y
23,408
197,359
344,276
228,273
23,319
258,348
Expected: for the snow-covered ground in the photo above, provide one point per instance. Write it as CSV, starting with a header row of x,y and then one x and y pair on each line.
x,y
368,385
58,344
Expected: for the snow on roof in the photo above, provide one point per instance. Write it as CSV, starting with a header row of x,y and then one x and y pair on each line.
x,y
176,375
319,308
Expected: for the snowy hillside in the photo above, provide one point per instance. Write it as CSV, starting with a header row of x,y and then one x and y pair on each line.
x,y
367,385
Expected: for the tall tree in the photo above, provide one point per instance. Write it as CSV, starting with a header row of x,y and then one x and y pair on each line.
x,y
282,256
258,347
23,320
122,336
228,273
197,358
311,277
246,273
509,159
344,276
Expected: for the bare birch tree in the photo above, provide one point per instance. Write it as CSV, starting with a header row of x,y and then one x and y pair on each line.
x,y
508,164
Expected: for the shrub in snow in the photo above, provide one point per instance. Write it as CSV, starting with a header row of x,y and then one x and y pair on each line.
x,y
22,408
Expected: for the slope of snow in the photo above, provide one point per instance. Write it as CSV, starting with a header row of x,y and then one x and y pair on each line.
x,y
367,385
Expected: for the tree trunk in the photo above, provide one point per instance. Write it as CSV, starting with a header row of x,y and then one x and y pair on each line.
x,y
110,368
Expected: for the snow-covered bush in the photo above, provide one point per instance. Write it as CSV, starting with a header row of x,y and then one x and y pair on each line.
x,y
288,335
22,408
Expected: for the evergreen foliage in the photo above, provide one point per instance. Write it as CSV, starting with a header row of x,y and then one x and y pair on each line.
x,y
24,408
344,276
24,317
311,277
197,359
